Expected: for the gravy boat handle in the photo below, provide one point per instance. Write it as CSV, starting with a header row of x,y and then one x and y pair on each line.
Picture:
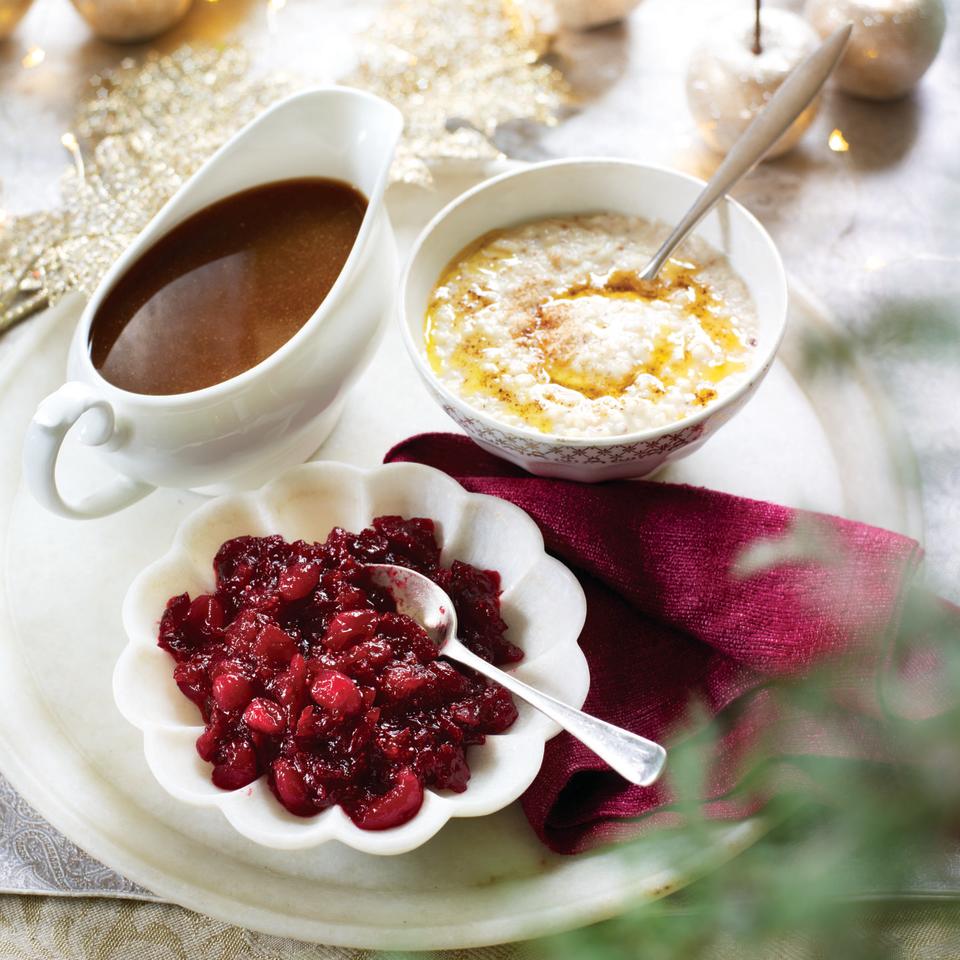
x,y
45,435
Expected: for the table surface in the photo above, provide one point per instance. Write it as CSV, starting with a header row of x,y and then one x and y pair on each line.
x,y
871,231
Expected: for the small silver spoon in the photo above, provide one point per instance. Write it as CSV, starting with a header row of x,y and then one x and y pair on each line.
x,y
791,99
637,759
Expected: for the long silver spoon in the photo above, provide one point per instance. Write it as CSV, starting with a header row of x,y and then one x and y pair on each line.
x,y
791,99
637,759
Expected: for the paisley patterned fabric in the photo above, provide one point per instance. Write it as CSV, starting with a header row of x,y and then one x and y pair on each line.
x,y
53,928
50,928
36,858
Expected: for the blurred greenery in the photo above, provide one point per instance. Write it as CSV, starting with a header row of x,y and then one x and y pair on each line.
x,y
850,838
920,328
854,832
848,834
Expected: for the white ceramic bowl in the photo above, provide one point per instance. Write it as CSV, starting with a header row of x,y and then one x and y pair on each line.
x,y
589,186
542,603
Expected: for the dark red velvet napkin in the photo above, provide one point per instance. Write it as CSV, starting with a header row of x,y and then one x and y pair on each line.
x,y
677,614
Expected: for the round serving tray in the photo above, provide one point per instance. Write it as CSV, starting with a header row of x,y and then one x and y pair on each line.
x,y
67,750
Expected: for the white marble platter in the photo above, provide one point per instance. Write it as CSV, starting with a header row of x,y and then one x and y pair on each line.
x,y
822,445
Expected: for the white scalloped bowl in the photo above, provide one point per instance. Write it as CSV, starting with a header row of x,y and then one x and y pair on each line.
x,y
542,603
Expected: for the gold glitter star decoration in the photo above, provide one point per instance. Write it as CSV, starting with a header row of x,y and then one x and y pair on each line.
x,y
457,69
141,133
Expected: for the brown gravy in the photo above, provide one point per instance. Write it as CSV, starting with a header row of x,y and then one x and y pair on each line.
x,y
227,287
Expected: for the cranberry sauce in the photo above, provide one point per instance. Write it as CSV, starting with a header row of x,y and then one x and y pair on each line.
x,y
303,670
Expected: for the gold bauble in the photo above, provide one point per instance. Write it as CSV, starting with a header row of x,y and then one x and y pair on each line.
x,y
127,21
892,45
11,13
728,84
585,14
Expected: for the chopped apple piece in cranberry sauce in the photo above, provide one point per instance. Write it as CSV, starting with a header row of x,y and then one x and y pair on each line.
x,y
303,670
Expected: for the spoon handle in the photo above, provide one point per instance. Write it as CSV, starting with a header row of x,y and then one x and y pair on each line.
x,y
634,757
790,100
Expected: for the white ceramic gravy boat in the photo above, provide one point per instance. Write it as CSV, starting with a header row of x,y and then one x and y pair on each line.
x,y
238,433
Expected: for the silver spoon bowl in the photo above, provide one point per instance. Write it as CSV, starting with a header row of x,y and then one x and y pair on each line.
x,y
634,757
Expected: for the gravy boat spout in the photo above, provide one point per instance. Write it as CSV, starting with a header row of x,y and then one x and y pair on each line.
x,y
238,433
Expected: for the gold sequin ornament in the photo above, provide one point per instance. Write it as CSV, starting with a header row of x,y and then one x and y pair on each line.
x,y
126,21
11,13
